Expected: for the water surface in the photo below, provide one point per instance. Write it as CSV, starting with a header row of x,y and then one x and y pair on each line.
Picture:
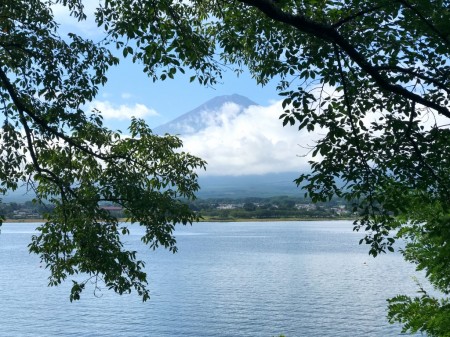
x,y
228,279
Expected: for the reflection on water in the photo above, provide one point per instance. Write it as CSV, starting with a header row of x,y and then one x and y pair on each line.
x,y
228,279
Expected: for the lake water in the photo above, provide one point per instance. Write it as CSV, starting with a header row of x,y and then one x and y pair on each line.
x,y
228,279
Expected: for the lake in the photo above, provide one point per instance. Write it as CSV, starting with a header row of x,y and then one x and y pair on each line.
x,y
227,279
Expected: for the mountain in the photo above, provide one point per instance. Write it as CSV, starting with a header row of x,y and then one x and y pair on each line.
x,y
203,116
226,186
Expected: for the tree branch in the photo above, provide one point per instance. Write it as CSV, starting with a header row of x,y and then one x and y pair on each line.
x,y
329,34
398,69
24,109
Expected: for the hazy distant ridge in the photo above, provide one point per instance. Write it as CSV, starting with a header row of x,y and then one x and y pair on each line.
x,y
266,185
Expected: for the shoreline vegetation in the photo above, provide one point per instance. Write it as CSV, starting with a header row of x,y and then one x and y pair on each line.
x,y
276,219
279,208
216,219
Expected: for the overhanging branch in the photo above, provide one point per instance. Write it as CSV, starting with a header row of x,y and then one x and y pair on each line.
x,y
329,34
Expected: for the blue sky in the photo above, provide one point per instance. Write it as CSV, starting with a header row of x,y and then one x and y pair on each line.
x,y
128,85
254,142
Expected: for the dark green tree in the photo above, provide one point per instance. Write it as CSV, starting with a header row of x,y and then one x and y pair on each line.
x,y
249,206
63,152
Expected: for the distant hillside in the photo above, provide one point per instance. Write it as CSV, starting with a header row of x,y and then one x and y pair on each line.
x,y
264,186
20,195
202,116
267,185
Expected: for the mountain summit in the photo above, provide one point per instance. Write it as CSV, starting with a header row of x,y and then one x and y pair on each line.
x,y
203,116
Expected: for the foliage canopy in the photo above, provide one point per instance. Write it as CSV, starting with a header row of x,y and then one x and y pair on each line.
x,y
68,158
372,76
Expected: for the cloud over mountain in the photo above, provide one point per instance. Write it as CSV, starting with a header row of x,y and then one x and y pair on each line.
x,y
244,140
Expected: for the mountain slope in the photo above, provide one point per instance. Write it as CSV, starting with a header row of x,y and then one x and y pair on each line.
x,y
203,116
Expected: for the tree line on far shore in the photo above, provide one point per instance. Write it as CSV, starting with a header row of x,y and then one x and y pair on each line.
x,y
215,208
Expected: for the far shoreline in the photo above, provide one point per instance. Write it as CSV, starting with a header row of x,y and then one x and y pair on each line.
x,y
18,221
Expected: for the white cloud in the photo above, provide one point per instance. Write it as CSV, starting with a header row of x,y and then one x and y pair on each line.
x,y
123,111
254,142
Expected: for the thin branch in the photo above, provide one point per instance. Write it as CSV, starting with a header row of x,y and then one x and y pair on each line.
x,y
367,169
24,109
349,111
355,15
424,19
398,69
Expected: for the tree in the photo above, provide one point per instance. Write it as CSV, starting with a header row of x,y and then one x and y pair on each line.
x,y
249,206
68,158
371,76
